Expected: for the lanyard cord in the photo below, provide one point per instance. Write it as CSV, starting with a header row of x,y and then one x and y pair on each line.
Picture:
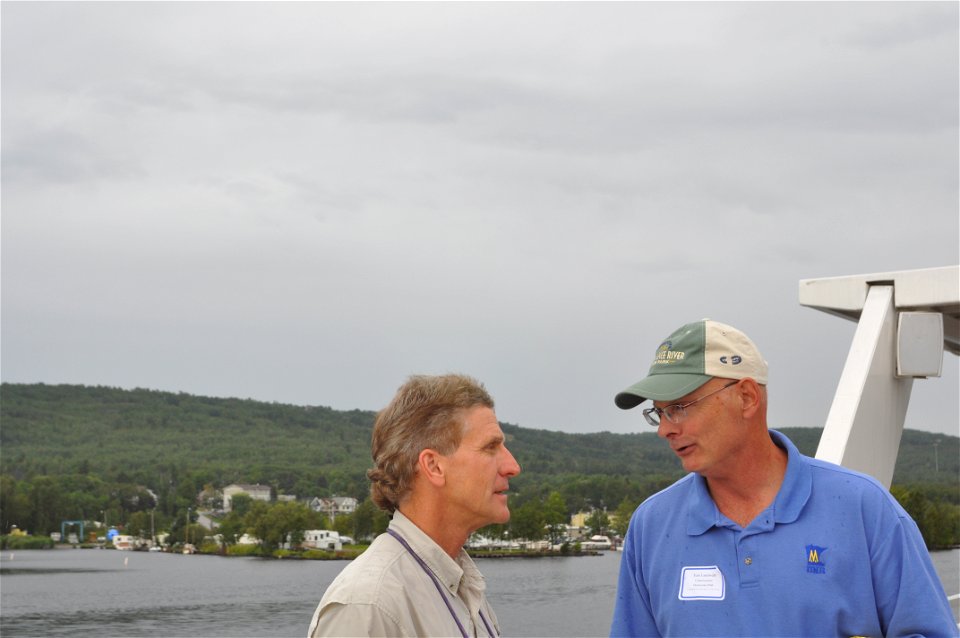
x,y
436,583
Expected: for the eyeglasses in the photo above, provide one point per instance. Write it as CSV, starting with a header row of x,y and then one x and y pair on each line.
x,y
677,411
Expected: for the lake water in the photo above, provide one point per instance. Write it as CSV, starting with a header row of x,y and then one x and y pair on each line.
x,y
111,593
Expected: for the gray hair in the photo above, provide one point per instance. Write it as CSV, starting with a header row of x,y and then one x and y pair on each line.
x,y
426,413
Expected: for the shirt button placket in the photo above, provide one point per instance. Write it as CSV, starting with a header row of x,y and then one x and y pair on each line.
x,y
749,574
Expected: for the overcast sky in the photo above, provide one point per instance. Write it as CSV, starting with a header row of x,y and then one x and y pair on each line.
x,y
308,202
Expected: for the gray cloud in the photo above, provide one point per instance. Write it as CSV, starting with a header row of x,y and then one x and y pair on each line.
x,y
306,202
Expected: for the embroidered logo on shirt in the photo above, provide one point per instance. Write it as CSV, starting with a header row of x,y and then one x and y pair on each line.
x,y
815,564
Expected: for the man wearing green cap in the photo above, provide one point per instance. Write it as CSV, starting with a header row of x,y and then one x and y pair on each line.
x,y
759,540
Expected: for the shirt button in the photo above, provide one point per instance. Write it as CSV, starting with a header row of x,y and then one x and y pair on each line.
x,y
747,561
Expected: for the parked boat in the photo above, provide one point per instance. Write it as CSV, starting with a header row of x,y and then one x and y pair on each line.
x,y
123,541
597,542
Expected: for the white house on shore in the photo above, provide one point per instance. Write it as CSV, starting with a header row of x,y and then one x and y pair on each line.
x,y
322,539
247,539
334,506
256,492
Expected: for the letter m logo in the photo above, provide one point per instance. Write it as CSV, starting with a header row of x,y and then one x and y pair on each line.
x,y
815,564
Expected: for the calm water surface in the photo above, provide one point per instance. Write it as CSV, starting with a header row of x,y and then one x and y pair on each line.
x,y
112,593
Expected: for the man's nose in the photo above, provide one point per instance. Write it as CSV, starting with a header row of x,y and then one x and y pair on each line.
x,y
510,466
666,427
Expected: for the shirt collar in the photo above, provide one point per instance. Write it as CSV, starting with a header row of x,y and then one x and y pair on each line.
x,y
797,483
452,573
702,512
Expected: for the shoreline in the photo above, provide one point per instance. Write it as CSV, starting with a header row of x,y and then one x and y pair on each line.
x,y
344,554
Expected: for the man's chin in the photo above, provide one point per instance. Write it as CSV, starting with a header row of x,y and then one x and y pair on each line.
x,y
500,519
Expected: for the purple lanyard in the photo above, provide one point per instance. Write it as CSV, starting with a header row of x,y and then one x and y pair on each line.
x,y
436,583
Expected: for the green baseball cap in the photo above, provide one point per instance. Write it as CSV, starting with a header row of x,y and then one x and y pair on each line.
x,y
691,356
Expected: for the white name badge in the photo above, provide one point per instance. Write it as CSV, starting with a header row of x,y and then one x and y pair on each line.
x,y
702,583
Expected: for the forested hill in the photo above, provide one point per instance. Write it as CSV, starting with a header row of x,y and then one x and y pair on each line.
x,y
157,439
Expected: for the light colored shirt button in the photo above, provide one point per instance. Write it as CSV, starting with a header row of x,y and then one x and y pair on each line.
x,y
747,561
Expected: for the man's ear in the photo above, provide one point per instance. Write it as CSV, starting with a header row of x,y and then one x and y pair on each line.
x,y
751,397
432,468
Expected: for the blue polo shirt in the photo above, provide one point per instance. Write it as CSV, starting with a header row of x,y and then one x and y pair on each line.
x,y
834,555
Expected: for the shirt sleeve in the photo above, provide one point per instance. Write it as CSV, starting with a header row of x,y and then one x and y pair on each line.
x,y
339,620
910,598
631,613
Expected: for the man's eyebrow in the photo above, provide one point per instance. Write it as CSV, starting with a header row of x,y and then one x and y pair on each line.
x,y
496,439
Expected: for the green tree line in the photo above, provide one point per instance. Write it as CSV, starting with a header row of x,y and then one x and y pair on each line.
x,y
71,452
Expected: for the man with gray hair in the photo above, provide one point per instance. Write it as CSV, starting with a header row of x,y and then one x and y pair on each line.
x,y
442,468
759,540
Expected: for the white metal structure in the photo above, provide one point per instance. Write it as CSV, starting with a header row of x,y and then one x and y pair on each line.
x,y
905,321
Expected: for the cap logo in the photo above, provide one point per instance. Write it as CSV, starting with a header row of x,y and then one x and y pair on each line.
x,y
665,354
735,359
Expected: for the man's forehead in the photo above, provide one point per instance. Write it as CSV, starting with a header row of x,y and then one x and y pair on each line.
x,y
481,414
689,396
482,421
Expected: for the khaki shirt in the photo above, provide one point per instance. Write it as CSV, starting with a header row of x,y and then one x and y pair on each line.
x,y
385,591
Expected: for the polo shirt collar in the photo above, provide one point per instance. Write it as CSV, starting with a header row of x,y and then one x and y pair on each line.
x,y
702,512
797,483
